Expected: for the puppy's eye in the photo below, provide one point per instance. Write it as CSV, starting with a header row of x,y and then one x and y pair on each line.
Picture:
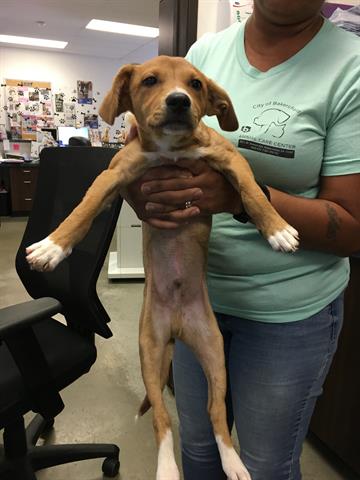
x,y
149,81
196,84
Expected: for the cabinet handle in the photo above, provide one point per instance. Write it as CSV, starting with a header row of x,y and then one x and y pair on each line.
x,y
28,199
137,226
27,181
26,171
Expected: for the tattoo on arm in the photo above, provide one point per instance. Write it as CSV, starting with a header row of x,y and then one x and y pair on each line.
x,y
334,222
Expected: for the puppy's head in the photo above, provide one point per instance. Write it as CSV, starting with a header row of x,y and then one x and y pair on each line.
x,y
167,95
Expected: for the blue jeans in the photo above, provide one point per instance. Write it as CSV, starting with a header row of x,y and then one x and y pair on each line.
x,y
275,374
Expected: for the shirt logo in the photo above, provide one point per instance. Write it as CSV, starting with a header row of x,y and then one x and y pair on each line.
x,y
264,130
245,128
272,121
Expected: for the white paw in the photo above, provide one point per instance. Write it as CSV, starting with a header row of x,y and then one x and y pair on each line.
x,y
167,468
286,240
168,471
231,463
45,255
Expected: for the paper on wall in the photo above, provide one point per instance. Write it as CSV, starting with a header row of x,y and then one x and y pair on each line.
x,y
240,10
215,15
34,153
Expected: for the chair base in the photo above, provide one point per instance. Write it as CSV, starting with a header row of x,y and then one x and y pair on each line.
x,y
22,458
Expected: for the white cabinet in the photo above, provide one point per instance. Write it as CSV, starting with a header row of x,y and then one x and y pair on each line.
x,y
127,261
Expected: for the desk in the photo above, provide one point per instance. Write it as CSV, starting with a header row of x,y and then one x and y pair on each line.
x,y
127,260
20,180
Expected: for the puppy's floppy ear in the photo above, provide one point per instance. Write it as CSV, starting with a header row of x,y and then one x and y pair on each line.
x,y
117,100
219,104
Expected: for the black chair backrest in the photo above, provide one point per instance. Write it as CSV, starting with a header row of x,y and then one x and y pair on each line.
x,y
79,142
65,174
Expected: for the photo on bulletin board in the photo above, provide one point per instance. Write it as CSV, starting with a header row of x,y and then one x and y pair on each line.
x,y
70,115
34,95
59,102
15,133
91,121
95,137
85,92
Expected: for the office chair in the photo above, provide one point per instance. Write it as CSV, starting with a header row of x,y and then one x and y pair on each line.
x,y
79,142
39,356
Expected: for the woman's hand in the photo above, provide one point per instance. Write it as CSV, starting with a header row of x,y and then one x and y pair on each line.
x,y
160,196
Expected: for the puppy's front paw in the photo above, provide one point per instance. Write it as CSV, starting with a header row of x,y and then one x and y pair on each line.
x,y
285,240
45,255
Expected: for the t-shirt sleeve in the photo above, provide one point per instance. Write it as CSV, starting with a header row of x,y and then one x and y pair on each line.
x,y
342,142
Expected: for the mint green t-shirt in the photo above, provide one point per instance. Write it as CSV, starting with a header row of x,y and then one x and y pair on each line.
x,y
298,121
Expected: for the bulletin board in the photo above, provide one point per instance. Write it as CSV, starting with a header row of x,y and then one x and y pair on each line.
x,y
29,106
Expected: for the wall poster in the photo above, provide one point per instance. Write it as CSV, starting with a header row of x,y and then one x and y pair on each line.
x,y
85,92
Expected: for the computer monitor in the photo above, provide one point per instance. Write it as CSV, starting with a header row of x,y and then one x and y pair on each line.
x,y
64,133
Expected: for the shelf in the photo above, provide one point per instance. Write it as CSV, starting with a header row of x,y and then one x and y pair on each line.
x,y
19,141
116,272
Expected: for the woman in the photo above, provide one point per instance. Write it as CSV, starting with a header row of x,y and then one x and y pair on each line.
x,y
294,79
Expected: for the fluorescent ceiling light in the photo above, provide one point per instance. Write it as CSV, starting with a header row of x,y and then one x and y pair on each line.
x,y
36,42
124,28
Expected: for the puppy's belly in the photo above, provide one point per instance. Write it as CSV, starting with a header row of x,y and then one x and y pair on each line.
x,y
178,291
177,263
176,275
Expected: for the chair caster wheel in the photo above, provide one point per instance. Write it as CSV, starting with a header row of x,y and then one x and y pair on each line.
x,y
110,467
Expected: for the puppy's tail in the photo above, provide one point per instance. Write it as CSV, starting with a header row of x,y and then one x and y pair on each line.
x,y
166,378
144,407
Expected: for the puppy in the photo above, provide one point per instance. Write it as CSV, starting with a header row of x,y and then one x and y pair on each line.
x,y
168,97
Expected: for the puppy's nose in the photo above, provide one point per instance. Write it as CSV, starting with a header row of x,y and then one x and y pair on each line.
x,y
178,102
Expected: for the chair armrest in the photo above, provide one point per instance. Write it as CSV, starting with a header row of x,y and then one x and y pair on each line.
x,y
16,331
15,318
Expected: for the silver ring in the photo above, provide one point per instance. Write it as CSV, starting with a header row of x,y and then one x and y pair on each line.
x,y
188,204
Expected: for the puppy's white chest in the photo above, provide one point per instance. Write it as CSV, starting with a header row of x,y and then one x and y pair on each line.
x,y
160,156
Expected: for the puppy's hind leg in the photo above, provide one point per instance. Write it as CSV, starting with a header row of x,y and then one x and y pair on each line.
x,y
153,344
164,376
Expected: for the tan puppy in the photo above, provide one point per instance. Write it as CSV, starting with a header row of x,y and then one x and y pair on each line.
x,y
168,97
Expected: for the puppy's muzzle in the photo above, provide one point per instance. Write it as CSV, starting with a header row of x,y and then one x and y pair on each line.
x,y
178,115
178,102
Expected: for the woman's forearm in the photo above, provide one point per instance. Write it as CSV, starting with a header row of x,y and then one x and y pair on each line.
x,y
322,224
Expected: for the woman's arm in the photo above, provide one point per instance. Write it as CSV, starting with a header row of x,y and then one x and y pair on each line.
x,y
330,222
